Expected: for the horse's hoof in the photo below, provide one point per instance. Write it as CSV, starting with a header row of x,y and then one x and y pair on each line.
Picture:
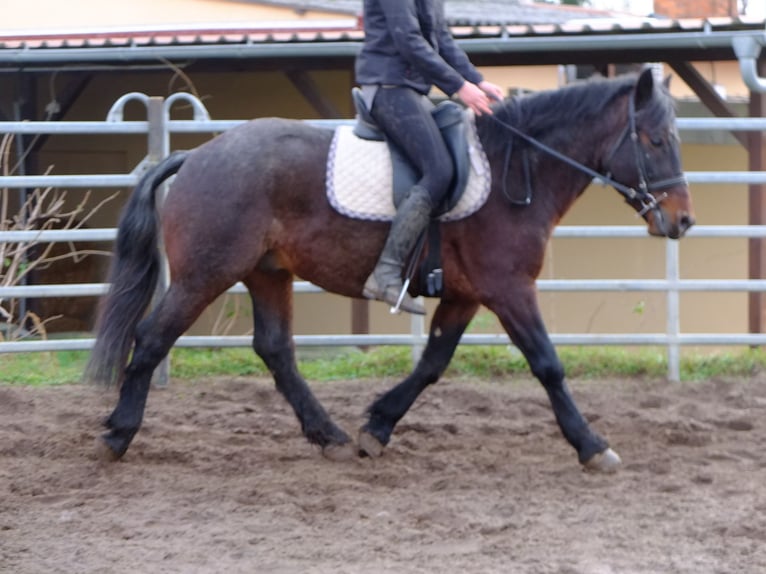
x,y
369,445
104,452
339,452
607,461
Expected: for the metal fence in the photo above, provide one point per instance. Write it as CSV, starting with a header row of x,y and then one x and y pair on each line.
x,y
158,128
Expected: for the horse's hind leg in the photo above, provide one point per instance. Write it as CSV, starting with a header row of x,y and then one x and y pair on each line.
x,y
155,335
447,326
271,294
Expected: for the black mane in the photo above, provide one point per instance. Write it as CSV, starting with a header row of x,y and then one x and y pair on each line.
x,y
544,115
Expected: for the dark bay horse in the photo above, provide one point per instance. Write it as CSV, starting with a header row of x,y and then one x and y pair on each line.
x,y
250,206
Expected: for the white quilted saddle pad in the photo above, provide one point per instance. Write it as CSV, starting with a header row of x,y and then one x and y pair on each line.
x,y
359,177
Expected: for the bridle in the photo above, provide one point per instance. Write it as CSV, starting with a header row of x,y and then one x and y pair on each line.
x,y
643,195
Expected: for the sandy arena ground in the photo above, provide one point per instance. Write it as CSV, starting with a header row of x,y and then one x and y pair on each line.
x,y
476,479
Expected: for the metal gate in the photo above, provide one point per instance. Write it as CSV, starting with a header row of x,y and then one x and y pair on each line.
x,y
158,128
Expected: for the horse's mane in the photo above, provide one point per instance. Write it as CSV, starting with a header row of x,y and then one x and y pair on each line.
x,y
548,115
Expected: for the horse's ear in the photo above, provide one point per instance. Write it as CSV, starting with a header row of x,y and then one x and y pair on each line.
x,y
644,88
666,81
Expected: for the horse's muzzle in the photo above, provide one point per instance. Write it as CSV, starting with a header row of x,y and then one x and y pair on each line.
x,y
672,225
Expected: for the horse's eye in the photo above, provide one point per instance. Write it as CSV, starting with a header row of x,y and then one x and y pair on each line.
x,y
656,142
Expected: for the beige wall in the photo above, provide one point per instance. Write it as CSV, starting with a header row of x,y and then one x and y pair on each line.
x,y
725,75
40,16
243,96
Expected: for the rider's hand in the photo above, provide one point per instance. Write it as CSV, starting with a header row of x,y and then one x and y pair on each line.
x,y
494,91
475,98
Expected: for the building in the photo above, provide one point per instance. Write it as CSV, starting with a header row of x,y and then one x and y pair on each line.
x,y
73,60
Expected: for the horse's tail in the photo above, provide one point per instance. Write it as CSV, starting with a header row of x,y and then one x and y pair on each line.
x,y
133,275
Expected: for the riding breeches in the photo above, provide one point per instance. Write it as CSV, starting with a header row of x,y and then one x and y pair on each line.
x,y
404,115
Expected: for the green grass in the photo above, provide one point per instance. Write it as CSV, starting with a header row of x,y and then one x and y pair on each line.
x,y
493,363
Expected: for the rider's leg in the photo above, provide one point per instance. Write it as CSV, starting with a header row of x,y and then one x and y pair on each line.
x,y
385,282
405,117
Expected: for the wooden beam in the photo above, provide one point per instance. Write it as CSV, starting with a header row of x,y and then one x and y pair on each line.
x,y
757,210
64,100
707,95
25,108
306,85
360,318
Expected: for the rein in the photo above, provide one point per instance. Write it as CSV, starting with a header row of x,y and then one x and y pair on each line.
x,y
643,196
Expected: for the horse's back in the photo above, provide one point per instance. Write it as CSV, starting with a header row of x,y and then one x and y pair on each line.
x,y
254,159
258,144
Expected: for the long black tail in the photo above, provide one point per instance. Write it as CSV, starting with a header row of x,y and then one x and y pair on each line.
x,y
133,275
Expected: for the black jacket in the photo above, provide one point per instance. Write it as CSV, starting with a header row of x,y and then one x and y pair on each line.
x,y
408,43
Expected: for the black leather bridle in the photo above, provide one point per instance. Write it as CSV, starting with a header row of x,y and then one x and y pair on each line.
x,y
643,196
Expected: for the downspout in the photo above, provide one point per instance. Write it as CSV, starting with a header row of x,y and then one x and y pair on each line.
x,y
747,49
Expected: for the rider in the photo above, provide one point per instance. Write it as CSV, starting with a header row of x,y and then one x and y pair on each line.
x,y
407,49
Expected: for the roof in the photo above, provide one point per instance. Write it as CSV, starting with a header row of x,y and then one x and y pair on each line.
x,y
467,12
493,32
708,38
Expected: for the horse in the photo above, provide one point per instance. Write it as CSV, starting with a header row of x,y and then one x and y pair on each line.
x,y
249,205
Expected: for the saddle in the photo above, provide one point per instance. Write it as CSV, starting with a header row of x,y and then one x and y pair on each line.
x,y
449,117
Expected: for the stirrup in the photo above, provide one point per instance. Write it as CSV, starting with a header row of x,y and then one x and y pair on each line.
x,y
412,305
399,300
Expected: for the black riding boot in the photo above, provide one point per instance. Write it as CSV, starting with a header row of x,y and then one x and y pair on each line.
x,y
411,219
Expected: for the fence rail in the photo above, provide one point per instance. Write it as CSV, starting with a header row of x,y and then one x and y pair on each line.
x,y
160,127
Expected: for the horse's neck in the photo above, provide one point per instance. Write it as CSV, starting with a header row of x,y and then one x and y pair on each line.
x,y
555,185
589,144
586,144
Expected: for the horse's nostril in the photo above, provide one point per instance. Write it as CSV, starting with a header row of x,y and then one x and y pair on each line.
x,y
686,221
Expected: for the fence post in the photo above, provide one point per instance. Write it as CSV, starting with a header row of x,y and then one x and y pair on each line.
x,y
157,144
417,330
673,311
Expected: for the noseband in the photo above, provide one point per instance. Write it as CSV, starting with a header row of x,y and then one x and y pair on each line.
x,y
642,195
645,187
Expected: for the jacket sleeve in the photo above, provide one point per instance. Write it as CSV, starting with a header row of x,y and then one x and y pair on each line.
x,y
402,21
456,57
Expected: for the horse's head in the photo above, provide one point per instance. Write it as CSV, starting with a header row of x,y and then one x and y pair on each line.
x,y
646,160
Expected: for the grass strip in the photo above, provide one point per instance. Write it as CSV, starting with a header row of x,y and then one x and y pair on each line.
x,y
326,364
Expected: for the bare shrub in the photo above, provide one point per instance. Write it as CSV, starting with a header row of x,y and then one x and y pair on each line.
x,y
37,210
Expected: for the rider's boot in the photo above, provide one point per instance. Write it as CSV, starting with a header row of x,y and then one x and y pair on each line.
x,y
411,219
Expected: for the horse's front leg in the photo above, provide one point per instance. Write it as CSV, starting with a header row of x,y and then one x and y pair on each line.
x,y
449,322
520,316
